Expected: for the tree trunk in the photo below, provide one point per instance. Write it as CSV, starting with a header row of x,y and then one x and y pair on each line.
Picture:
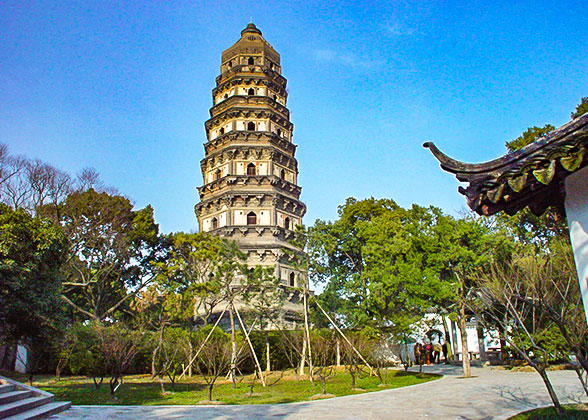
x,y
338,353
481,346
233,350
210,390
156,350
97,384
352,372
581,378
153,356
551,392
161,384
303,358
465,355
114,384
324,384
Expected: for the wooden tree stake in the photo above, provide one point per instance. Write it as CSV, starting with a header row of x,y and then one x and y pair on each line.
x,y
250,345
202,345
345,338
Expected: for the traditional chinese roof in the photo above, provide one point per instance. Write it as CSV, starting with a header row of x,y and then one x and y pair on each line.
x,y
532,176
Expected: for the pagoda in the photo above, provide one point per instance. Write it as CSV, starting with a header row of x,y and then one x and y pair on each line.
x,y
250,192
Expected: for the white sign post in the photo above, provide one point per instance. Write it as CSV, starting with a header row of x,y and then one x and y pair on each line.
x,y
577,214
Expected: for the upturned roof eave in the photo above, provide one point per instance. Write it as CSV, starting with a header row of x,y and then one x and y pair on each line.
x,y
532,176
553,137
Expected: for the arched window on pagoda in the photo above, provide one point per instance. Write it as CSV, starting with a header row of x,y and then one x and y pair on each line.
x,y
221,131
251,218
214,223
292,279
226,96
251,169
251,92
251,61
283,174
251,126
287,223
279,132
217,175
230,64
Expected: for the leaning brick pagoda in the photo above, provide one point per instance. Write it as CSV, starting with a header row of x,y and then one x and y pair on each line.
x,y
250,192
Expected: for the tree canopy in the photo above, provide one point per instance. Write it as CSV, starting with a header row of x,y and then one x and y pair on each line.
x,y
31,253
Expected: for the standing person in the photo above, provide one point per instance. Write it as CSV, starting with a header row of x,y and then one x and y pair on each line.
x,y
437,353
418,355
445,349
429,353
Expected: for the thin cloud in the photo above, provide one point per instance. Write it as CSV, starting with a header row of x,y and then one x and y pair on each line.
x,y
396,29
348,59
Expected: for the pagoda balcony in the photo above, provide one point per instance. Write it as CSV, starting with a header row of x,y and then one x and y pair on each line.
x,y
233,137
248,70
244,100
257,182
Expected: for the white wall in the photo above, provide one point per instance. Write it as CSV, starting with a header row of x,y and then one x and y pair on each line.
x,y
577,214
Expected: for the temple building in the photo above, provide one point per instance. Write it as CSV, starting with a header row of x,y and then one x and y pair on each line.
x,y
250,192
550,172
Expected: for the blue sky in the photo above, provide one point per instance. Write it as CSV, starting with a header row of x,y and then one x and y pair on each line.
x,y
125,87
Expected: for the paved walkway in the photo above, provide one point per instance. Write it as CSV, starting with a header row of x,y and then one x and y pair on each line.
x,y
491,394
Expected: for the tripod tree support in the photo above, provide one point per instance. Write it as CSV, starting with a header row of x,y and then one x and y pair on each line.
x,y
307,333
202,345
345,338
250,345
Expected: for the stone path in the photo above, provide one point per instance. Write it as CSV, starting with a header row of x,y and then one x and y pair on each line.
x,y
491,394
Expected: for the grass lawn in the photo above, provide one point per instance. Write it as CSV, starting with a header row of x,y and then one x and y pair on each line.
x,y
282,388
572,412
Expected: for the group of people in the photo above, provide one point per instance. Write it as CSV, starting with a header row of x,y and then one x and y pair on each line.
x,y
429,353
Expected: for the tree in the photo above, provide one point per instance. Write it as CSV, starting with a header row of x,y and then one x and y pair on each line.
x,y
323,346
458,249
509,295
155,309
581,108
118,346
374,263
207,274
404,284
529,136
336,256
29,184
110,246
32,252
265,299
81,353
202,270
215,358
353,364
174,351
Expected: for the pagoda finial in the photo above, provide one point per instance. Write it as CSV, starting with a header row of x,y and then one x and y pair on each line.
x,y
251,28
